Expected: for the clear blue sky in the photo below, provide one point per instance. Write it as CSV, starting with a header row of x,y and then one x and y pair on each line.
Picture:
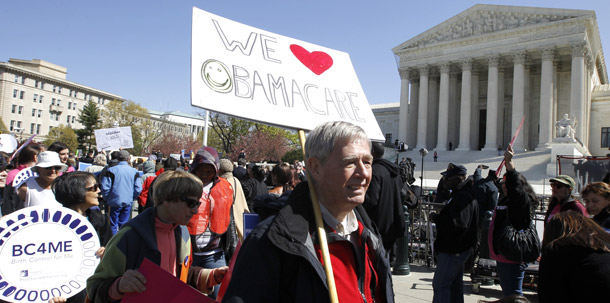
x,y
140,50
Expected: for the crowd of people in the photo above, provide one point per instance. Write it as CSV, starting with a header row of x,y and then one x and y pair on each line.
x,y
186,211
189,221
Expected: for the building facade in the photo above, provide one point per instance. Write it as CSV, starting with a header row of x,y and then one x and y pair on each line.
x,y
35,97
189,123
472,80
387,117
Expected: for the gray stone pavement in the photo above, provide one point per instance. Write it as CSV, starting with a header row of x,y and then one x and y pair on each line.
x,y
417,287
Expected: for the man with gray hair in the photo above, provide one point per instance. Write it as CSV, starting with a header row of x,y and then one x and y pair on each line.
x,y
120,186
280,260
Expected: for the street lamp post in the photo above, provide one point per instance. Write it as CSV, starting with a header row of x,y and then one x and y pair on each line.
x,y
401,267
423,152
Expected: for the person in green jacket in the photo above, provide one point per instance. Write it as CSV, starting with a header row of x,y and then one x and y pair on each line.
x,y
160,235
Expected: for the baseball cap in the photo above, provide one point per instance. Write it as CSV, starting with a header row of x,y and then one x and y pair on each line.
x,y
564,179
453,169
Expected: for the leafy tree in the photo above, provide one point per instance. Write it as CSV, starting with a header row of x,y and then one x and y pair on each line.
x,y
170,143
144,131
261,146
64,134
91,117
229,130
290,135
292,155
3,128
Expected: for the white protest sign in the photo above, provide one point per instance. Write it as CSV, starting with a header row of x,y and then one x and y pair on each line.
x,y
45,253
113,138
257,75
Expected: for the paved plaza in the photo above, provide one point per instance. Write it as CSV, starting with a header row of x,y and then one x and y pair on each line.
x,y
417,287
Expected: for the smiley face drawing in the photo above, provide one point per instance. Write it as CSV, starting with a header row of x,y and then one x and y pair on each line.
x,y
216,76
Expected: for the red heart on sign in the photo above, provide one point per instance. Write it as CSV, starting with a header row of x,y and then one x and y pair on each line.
x,y
317,62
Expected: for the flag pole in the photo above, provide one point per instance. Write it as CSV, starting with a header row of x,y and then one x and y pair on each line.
x,y
330,279
499,170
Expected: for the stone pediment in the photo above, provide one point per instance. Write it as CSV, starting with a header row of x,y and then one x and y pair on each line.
x,y
484,19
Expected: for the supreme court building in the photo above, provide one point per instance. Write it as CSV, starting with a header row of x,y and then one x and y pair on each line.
x,y
472,79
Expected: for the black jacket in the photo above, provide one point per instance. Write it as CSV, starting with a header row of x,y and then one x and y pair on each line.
x,y
603,218
278,262
486,193
570,273
252,188
383,203
457,223
101,223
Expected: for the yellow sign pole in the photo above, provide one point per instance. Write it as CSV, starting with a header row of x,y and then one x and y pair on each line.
x,y
328,268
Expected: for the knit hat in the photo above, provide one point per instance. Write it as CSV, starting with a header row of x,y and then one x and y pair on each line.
x,y
225,166
124,155
206,155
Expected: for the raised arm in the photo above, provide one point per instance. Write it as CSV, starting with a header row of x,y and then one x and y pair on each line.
x,y
508,158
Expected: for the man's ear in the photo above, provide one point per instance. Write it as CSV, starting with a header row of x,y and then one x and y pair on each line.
x,y
313,166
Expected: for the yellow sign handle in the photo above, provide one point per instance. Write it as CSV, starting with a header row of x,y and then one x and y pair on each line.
x,y
328,268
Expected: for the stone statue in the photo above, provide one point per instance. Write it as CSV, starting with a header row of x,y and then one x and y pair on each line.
x,y
566,127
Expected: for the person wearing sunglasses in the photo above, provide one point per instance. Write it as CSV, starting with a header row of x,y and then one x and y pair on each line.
x,y
562,199
37,190
160,235
79,191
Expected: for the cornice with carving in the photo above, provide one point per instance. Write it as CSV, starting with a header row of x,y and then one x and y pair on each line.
x,y
485,22
533,34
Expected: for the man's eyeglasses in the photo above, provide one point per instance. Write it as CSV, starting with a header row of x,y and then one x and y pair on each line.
x,y
191,203
557,185
92,188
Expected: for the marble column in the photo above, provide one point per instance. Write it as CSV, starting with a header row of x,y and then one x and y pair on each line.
x,y
503,123
404,105
432,125
577,88
491,125
413,111
443,108
556,67
518,99
465,113
475,110
454,101
546,98
422,118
